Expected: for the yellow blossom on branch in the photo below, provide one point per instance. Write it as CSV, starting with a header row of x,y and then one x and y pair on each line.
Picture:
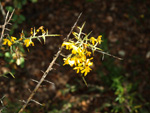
x,y
68,45
80,56
78,68
13,38
93,40
20,39
99,39
86,70
28,42
88,62
31,32
69,61
7,41
88,53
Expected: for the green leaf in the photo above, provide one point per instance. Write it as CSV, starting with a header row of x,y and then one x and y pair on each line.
x,y
1,54
9,8
34,1
7,55
21,19
15,17
24,2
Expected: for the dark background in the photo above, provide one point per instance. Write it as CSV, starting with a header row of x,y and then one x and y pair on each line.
x,y
113,85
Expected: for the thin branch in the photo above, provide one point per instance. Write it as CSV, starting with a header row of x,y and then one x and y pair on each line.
x,y
48,69
49,82
7,20
3,12
34,80
23,101
104,53
3,27
37,102
1,100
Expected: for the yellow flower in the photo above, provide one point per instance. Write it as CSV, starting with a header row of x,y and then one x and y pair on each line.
x,y
93,40
21,35
43,31
31,31
68,45
75,49
37,30
20,39
66,61
78,69
88,62
13,38
88,53
41,27
78,59
99,39
86,70
28,42
69,61
7,41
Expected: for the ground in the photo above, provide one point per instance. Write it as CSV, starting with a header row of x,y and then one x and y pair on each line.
x,y
125,28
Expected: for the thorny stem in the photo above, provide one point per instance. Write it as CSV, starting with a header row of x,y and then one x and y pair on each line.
x,y
7,20
2,10
48,69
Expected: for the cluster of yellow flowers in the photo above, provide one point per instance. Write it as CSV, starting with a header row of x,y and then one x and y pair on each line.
x,y
27,41
9,42
80,56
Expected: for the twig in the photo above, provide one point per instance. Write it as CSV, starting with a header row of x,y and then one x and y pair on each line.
x,y
104,53
49,82
48,69
37,102
7,20
1,100
3,12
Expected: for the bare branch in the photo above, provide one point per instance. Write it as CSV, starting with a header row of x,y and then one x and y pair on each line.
x,y
29,90
3,12
49,82
37,102
1,100
34,80
23,101
57,64
104,53
7,29
10,16
63,55
7,20
48,69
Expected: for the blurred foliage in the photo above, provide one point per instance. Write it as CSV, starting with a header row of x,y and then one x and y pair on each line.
x,y
17,18
10,107
89,0
124,97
